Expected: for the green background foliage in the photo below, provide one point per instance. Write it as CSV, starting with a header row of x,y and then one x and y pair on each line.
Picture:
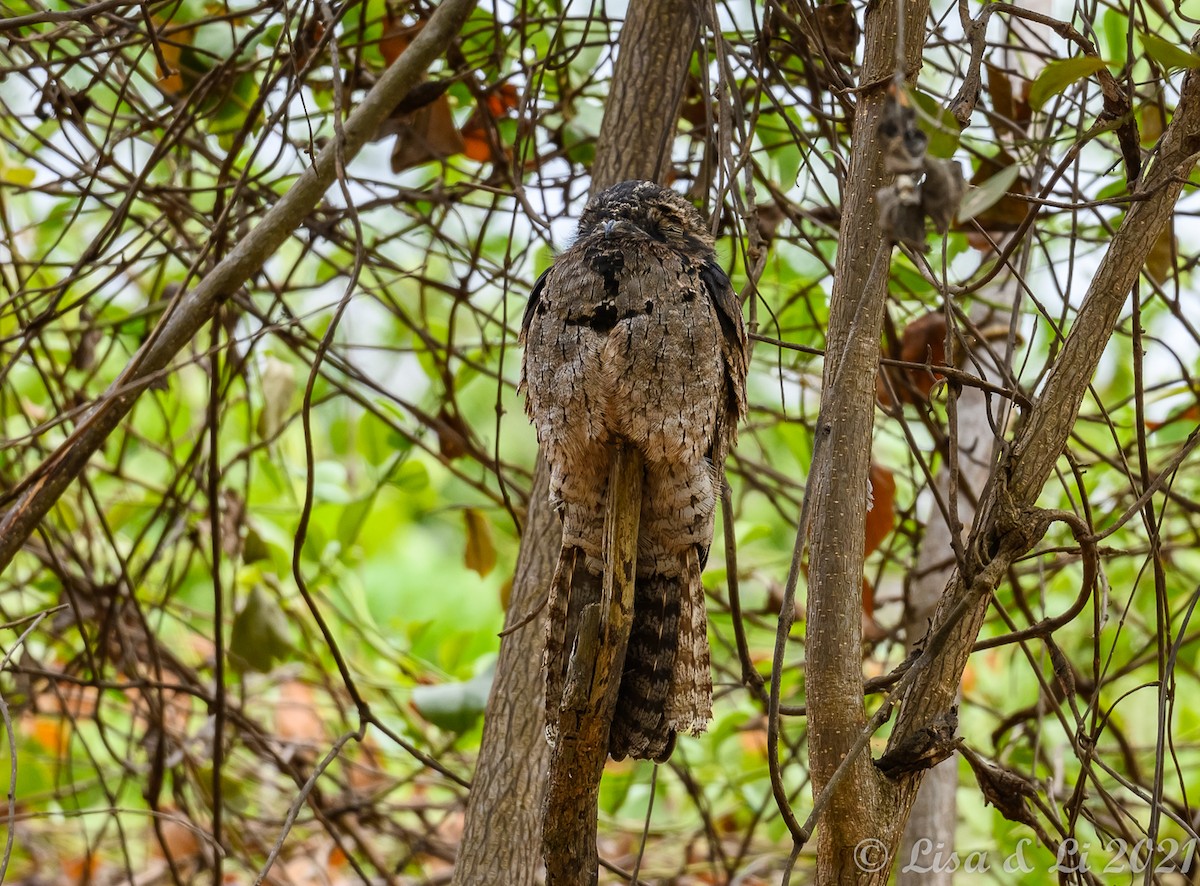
x,y
383,487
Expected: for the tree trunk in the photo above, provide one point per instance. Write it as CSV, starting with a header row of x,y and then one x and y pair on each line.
x,y
502,840
503,835
833,681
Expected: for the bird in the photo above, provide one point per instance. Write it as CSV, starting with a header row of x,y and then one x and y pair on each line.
x,y
634,336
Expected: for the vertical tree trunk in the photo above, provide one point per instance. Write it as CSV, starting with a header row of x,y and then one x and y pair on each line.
x,y
833,682
502,842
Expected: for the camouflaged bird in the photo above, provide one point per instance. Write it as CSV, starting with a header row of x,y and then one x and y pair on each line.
x,y
635,335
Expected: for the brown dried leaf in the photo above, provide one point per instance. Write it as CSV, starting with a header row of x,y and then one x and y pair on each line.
x,y
451,437
396,37
480,554
923,341
426,134
179,840
171,42
1151,123
1001,91
839,28
1161,260
496,104
881,517
297,719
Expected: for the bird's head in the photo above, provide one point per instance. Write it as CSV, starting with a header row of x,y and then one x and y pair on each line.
x,y
643,209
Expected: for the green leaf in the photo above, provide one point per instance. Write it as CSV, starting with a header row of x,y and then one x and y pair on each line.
x,y
987,194
938,123
377,442
614,788
22,176
331,483
1116,29
412,476
278,385
754,533
352,518
1057,76
260,635
254,548
454,707
1168,54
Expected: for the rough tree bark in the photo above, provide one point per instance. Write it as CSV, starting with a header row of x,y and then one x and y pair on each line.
x,y
502,842
833,679
590,692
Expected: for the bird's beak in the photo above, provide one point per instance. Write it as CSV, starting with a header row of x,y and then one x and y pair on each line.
x,y
608,228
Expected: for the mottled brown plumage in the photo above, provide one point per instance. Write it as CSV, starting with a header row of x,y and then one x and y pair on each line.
x,y
635,334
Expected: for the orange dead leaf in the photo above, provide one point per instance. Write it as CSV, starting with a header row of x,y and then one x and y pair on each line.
x,y
337,859
754,741
428,133
364,771
50,733
496,104
1190,414
923,341
882,515
179,840
81,870
475,145
297,719
171,42
396,37
968,678
503,99
480,554
1161,260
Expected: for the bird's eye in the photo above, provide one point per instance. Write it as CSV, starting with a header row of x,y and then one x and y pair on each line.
x,y
656,230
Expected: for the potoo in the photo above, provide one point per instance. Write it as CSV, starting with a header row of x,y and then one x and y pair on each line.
x,y
635,335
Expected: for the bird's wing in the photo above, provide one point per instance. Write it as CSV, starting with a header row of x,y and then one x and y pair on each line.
x,y
535,296
733,350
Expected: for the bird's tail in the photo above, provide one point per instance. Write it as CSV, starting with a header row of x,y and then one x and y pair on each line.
x,y
666,686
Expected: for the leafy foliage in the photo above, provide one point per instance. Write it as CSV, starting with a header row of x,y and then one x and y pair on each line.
x,y
284,531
